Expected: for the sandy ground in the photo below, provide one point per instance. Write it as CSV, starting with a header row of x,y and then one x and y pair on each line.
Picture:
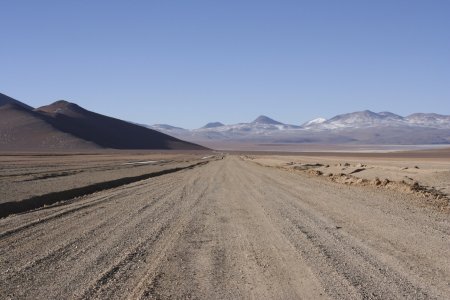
x,y
425,176
229,229
25,176
227,145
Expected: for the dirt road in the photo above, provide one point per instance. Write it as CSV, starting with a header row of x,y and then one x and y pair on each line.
x,y
229,229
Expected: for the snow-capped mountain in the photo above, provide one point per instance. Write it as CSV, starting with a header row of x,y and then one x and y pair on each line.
x,y
262,125
169,129
367,118
361,119
314,122
429,120
357,127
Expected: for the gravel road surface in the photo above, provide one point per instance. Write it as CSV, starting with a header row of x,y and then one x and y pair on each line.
x,y
229,229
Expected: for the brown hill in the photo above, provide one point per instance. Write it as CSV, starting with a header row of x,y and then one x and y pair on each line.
x,y
67,126
108,132
22,129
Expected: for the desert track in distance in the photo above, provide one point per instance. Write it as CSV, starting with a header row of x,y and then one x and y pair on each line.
x,y
228,229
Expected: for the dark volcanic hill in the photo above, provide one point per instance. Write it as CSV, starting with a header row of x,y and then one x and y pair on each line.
x,y
67,126
22,129
108,132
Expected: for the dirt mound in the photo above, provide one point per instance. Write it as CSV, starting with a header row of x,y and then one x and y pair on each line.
x,y
438,198
348,174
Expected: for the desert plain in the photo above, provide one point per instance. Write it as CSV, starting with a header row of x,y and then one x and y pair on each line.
x,y
225,225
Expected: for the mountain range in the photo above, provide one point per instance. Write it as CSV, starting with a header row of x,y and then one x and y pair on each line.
x,y
66,126
362,127
63,125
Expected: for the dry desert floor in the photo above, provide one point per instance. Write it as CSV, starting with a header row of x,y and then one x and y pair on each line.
x,y
196,226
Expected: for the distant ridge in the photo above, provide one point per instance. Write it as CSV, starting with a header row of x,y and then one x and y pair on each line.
x,y
367,118
168,127
64,125
213,125
360,127
266,120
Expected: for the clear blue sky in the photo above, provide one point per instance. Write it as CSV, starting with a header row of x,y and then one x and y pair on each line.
x,y
186,63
